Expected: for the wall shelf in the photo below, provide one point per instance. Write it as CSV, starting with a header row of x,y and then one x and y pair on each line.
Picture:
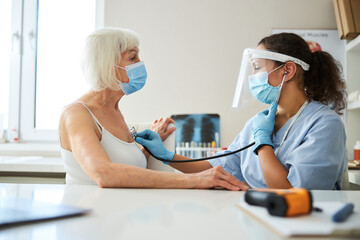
x,y
353,45
352,73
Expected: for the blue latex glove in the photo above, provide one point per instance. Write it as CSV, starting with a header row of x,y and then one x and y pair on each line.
x,y
263,127
152,141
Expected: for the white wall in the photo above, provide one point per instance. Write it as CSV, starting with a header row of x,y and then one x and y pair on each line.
x,y
192,50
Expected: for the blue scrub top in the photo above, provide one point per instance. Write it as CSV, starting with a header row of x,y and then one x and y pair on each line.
x,y
314,151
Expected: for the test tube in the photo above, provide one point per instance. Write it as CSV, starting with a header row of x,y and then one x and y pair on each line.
x,y
213,147
187,152
182,149
192,150
200,150
208,149
217,139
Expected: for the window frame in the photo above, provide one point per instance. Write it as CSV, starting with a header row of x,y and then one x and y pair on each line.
x,y
22,97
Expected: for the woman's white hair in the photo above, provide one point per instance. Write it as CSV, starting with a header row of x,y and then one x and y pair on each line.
x,y
102,52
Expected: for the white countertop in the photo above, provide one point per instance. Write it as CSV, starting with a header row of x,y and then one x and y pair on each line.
x,y
31,164
50,149
147,213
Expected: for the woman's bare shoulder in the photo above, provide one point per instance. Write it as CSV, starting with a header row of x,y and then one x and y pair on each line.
x,y
74,106
74,112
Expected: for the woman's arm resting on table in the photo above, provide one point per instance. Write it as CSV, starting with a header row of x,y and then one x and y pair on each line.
x,y
121,175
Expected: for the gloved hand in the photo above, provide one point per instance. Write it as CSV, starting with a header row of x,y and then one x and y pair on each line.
x,y
263,127
152,141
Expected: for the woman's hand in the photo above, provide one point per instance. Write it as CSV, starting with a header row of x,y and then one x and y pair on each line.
x,y
218,177
161,126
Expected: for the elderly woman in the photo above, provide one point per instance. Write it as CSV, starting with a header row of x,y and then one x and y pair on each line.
x,y
96,145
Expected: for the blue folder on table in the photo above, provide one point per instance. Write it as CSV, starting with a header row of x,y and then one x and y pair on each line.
x,y
19,210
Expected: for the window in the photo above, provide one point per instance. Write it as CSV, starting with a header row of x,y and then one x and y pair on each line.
x,y
45,72
5,48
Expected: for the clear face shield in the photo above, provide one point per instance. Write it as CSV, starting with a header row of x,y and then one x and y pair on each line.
x,y
256,62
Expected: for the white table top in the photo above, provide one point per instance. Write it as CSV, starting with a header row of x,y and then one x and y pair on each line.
x,y
147,213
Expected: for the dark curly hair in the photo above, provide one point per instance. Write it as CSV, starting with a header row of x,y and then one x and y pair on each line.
x,y
323,81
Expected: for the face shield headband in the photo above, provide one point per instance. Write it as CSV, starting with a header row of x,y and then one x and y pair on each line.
x,y
255,61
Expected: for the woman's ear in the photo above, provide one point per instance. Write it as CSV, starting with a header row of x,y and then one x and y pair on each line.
x,y
289,70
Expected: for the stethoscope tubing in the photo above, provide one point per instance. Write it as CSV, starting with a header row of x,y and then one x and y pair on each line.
x,y
199,159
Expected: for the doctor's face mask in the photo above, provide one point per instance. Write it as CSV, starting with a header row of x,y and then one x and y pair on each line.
x,y
253,83
137,77
261,89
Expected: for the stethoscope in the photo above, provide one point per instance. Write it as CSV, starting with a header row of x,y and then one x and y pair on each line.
x,y
134,134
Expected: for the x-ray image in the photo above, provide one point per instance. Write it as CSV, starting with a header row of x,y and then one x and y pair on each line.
x,y
197,128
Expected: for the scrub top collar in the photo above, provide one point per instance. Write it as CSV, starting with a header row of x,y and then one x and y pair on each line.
x,y
291,124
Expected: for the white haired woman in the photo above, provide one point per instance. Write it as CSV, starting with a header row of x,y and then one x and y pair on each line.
x,y
96,145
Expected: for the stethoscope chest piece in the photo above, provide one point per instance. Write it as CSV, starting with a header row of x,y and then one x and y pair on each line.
x,y
133,132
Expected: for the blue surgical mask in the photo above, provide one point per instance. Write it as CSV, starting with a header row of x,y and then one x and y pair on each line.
x,y
137,77
262,90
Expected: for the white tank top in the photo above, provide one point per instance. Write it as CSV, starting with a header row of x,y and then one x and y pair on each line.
x,y
117,150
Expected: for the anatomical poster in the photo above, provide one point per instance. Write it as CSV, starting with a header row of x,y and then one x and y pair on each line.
x,y
323,40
